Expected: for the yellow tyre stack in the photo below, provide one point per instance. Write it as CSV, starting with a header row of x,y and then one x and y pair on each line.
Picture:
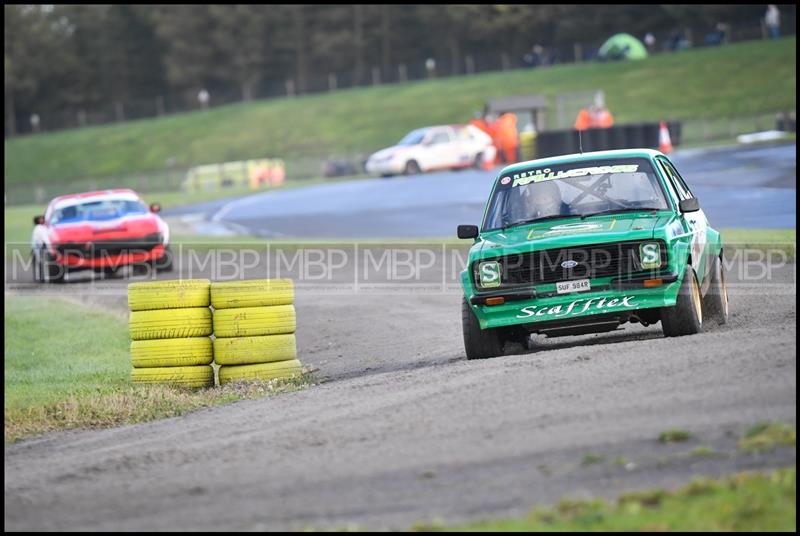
x,y
254,325
170,324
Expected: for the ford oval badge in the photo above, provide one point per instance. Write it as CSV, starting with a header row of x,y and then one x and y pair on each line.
x,y
569,264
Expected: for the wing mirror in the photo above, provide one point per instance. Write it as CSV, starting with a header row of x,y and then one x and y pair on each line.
x,y
468,231
689,205
155,207
38,220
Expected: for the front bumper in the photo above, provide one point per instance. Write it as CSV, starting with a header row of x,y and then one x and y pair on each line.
x,y
543,304
385,167
132,256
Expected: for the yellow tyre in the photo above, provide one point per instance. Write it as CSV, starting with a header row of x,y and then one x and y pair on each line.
x,y
202,376
263,371
175,294
170,323
172,352
251,350
252,293
253,321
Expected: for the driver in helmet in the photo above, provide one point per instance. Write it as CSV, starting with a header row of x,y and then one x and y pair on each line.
x,y
543,199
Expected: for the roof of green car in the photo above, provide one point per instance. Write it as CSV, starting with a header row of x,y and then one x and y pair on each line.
x,y
580,157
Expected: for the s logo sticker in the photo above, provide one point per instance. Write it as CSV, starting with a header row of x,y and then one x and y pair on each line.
x,y
650,255
490,274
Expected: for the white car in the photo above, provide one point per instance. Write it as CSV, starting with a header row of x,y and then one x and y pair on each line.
x,y
434,148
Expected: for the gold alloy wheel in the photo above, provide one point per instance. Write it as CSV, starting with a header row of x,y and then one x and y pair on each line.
x,y
696,300
724,289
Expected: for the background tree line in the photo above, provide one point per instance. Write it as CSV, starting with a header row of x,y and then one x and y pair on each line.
x,y
74,58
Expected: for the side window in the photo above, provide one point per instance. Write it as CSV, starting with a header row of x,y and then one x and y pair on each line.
x,y
440,136
674,184
672,192
681,182
676,179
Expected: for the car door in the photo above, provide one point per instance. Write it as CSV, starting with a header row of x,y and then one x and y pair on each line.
x,y
696,221
465,147
439,152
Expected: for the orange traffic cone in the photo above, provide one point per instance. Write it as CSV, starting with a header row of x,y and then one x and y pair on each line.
x,y
664,143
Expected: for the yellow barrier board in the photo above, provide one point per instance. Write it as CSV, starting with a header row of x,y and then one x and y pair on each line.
x,y
257,174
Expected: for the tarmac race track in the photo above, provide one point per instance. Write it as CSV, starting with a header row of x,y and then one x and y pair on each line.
x,y
737,187
403,429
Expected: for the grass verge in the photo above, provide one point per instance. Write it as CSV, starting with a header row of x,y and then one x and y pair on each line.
x,y
68,366
766,436
366,119
674,436
748,501
770,241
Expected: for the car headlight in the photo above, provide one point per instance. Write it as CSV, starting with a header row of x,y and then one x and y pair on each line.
x,y
385,158
489,274
650,255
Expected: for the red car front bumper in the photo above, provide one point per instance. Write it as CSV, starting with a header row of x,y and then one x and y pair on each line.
x,y
110,260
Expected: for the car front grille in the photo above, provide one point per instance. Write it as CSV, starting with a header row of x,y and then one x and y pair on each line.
x,y
590,262
105,248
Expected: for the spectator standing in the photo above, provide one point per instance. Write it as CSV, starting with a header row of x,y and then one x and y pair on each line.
x,y
719,36
203,97
772,19
535,57
584,120
650,42
600,117
35,121
479,122
508,137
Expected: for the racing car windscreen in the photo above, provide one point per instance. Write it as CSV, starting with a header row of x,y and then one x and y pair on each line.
x,y
414,137
574,189
103,210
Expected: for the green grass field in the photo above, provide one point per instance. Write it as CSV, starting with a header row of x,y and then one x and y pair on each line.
x,y
749,501
68,365
744,78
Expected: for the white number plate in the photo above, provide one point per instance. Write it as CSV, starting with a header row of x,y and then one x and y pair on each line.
x,y
565,287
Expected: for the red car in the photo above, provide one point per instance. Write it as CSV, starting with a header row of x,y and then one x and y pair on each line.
x,y
103,231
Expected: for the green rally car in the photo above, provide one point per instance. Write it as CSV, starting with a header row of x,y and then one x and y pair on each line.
x,y
582,243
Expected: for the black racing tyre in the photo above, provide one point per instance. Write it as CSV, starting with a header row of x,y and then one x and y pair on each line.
x,y
37,267
110,271
715,302
165,263
478,163
412,168
479,343
49,270
686,317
